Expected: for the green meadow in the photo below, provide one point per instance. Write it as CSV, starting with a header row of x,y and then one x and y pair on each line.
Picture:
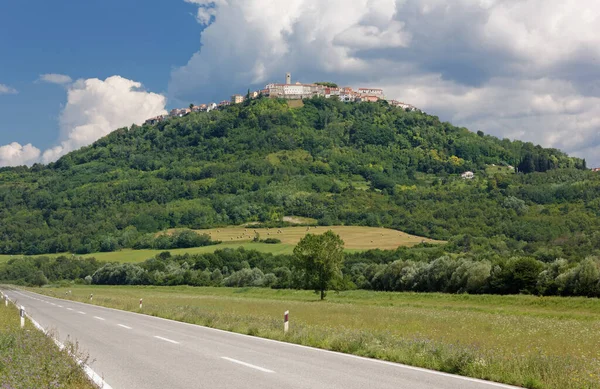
x,y
534,342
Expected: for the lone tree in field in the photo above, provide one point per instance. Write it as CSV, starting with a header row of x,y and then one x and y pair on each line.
x,y
319,258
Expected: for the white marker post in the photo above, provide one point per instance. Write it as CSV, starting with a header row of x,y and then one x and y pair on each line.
x,y
22,314
6,301
286,321
91,296
141,303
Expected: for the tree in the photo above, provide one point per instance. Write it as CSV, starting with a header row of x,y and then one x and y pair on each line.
x,y
319,258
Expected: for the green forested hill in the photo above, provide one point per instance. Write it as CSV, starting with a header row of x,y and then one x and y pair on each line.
x,y
354,164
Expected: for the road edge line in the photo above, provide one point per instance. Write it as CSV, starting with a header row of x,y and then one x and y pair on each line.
x,y
92,375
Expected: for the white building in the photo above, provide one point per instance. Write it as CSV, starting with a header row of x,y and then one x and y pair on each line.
x,y
468,175
371,92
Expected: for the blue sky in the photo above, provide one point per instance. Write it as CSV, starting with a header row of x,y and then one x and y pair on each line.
x,y
500,66
84,39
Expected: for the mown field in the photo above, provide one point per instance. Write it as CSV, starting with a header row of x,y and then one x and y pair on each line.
x,y
29,359
355,238
527,341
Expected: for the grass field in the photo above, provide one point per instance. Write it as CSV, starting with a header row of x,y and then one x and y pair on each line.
x,y
29,359
494,169
527,341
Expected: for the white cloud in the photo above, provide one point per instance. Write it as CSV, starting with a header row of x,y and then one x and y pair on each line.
x,y
54,78
7,90
94,109
15,154
513,68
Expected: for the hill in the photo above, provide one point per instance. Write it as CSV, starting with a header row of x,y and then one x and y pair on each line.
x,y
363,164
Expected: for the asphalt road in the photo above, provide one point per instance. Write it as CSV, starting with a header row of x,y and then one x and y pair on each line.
x,y
132,351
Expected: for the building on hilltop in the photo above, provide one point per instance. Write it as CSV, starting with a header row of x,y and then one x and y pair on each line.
x,y
237,99
180,112
294,91
155,120
402,105
596,170
372,92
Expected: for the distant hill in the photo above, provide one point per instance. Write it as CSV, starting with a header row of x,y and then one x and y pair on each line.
x,y
339,163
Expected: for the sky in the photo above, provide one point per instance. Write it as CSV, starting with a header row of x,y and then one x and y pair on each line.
x,y
72,71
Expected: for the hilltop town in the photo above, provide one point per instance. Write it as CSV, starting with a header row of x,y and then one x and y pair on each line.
x,y
291,91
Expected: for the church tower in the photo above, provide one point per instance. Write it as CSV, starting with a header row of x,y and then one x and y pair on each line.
x,y
288,78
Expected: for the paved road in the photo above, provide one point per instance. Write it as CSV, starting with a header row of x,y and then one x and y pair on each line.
x,y
133,351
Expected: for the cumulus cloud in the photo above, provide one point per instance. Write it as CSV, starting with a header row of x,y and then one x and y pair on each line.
x,y
15,155
54,78
7,90
526,69
94,109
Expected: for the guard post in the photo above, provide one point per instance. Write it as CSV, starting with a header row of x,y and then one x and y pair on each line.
x,y
22,314
286,321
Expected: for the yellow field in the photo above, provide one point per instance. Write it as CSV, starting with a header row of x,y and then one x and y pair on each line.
x,y
359,238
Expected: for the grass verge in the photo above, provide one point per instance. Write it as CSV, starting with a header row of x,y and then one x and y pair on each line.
x,y
521,340
30,359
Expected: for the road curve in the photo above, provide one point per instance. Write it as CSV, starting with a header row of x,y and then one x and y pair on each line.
x,y
131,351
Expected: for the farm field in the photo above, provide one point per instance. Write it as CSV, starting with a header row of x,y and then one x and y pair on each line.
x,y
29,359
355,238
527,341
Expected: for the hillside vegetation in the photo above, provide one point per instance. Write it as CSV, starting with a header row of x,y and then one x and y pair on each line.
x,y
358,164
353,164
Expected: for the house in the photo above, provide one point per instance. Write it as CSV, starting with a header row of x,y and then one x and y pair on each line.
x,y
402,105
211,106
155,120
371,92
199,108
237,99
468,175
370,99
180,112
596,170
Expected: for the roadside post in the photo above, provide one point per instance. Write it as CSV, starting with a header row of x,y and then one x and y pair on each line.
x,y
141,303
22,314
286,321
6,301
91,296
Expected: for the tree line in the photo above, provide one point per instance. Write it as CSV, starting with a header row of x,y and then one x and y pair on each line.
x,y
319,264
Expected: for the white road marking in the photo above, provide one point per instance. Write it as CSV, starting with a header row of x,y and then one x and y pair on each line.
x,y
52,304
248,365
83,313
60,306
166,340
124,326
70,309
96,379
99,318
